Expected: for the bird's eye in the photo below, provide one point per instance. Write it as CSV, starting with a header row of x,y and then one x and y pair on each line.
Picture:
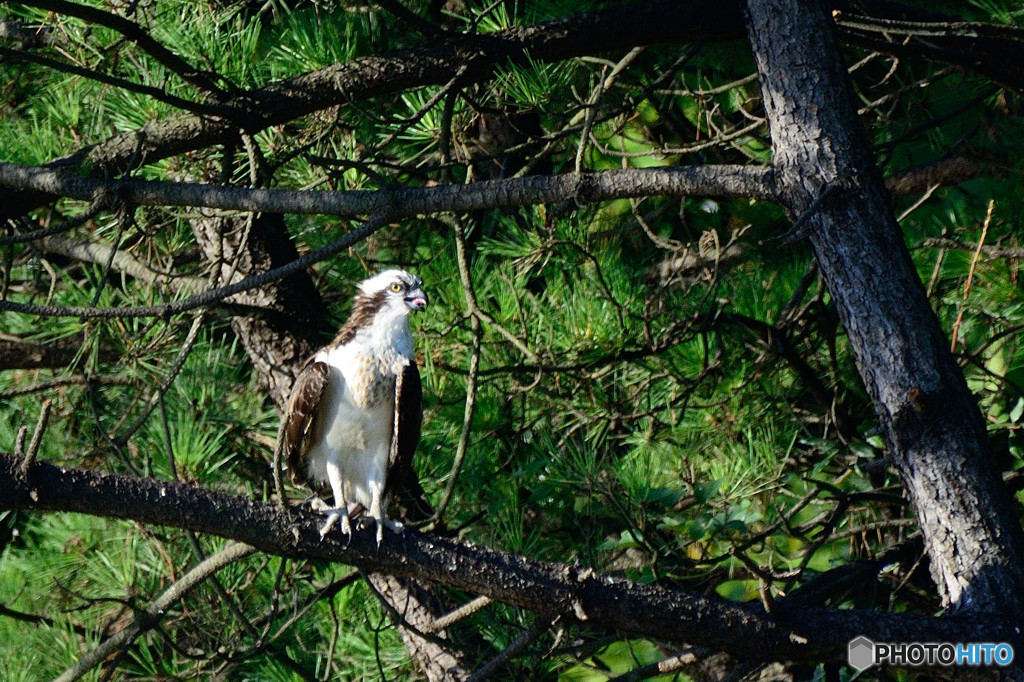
x,y
396,287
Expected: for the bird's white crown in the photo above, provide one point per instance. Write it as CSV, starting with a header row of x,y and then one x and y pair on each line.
x,y
382,280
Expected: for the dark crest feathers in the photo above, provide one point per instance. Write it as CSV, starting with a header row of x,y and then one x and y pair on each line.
x,y
364,309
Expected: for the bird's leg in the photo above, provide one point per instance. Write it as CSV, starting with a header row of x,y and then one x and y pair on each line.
x,y
375,510
377,514
341,509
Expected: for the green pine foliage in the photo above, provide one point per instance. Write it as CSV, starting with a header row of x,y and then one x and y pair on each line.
x,y
658,433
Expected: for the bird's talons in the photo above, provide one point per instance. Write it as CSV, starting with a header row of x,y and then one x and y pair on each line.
x,y
335,515
382,523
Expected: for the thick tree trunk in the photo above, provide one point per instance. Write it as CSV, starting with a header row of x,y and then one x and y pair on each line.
x,y
930,420
279,341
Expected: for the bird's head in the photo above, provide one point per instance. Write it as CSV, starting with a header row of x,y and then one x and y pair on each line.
x,y
400,290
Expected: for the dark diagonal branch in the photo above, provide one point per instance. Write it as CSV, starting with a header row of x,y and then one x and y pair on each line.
x,y
135,33
150,91
207,297
550,590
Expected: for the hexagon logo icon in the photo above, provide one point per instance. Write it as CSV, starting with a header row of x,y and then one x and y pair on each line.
x,y
861,654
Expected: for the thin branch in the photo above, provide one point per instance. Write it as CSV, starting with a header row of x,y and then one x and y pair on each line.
x,y
158,94
970,275
65,226
990,252
525,638
474,367
464,611
665,666
120,261
37,437
50,384
138,35
590,108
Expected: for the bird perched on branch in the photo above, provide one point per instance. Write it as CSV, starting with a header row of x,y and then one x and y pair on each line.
x,y
353,417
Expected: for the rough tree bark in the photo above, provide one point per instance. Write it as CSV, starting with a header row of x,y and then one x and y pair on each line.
x,y
279,341
825,176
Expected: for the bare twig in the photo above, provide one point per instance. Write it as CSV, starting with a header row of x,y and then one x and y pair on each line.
x,y
666,666
94,252
464,611
37,437
970,274
474,366
19,443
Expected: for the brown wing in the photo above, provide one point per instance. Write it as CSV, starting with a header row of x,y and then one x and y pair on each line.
x,y
408,419
299,417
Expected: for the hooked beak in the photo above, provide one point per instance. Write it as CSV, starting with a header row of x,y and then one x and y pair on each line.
x,y
417,299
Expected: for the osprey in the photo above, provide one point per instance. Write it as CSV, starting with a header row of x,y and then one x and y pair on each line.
x,y
353,418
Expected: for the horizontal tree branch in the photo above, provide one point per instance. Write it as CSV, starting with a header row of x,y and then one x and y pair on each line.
x,y
392,204
570,592
991,252
384,205
949,171
993,51
403,202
